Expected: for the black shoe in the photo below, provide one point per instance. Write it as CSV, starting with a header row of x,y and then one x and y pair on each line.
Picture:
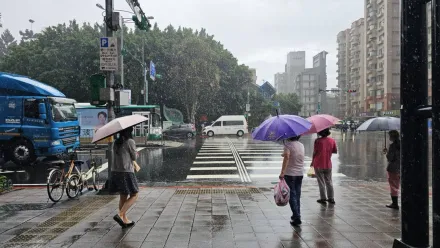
x,y
131,224
331,201
395,204
322,201
296,222
118,219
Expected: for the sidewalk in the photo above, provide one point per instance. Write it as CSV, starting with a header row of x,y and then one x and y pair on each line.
x,y
201,217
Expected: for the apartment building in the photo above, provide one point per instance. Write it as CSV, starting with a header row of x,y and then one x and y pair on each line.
x,y
343,41
369,61
357,69
382,28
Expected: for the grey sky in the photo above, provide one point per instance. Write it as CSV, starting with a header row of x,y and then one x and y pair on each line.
x,y
259,33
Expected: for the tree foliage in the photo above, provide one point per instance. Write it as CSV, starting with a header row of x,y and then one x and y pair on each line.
x,y
199,76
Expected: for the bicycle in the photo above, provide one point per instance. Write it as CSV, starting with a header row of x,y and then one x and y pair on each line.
x,y
75,182
59,179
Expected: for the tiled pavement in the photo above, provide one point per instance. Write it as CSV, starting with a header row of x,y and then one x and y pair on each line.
x,y
217,217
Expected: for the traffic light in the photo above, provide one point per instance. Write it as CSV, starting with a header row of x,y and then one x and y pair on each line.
x,y
142,24
351,91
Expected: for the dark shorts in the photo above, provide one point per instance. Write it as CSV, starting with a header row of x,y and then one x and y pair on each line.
x,y
124,183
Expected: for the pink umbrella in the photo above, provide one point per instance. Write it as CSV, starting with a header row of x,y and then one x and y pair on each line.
x,y
117,125
321,122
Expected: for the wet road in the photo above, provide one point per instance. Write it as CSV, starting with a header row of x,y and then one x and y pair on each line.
x,y
235,160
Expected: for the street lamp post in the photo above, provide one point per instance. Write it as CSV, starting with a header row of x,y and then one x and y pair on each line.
x,y
32,22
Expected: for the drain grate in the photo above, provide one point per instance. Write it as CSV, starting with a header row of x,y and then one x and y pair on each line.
x,y
201,191
44,232
24,207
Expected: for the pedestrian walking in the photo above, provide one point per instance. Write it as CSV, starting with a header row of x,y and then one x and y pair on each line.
x,y
393,168
323,149
293,172
123,177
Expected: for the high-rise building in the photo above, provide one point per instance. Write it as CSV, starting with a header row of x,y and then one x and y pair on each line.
x,y
382,28
280,80
356,81
343,40
308,85
369,61
428,9
254,75
296,63
351,69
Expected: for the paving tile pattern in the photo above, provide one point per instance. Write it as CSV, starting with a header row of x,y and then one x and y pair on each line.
x,y
213,217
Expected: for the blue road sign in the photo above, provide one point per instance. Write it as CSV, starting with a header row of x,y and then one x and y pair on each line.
x,y
276,104
104,42
152,71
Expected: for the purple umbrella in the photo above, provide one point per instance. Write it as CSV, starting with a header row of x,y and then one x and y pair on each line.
x,y
281,127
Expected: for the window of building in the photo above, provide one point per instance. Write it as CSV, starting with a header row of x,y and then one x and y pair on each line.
x,y
306,77
379,105
31,109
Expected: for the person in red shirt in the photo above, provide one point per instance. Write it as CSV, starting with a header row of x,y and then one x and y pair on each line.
x,y
323,149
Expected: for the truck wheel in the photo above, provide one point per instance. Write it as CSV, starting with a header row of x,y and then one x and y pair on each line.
x,y
210,133
23,152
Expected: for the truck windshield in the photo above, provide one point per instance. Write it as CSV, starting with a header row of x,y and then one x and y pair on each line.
x,y
64,112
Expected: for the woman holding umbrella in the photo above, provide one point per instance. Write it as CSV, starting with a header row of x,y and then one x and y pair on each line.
x,y
393,168
123,178
293,171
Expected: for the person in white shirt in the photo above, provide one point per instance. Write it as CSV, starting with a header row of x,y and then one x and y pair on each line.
x,y
293,172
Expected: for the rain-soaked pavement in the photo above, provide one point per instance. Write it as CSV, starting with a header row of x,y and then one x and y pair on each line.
x,y
234,160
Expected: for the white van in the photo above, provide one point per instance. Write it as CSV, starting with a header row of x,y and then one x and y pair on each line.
x,y
228,124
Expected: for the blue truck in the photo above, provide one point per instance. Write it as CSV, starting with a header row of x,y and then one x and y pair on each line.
x,y
36,120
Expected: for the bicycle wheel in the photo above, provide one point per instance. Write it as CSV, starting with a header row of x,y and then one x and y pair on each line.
x,y
98,182
74,186
55,185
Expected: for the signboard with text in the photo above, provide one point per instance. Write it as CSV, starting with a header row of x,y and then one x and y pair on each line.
x,y
109,55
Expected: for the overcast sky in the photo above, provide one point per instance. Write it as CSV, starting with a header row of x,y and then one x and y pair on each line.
x,y
259,33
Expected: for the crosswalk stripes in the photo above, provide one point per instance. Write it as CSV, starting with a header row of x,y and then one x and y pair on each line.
x,y
242,160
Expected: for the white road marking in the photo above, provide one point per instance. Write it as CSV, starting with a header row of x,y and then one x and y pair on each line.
x,y
214,162
263,162
239,163
213,168
251,150
212,176
203,157
277,175
214,153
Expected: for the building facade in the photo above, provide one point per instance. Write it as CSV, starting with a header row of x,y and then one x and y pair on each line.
x,y
296,63
382,28
280,81
311,85
343,41
369,61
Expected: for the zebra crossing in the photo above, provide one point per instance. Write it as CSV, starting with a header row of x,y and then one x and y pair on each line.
x,y
239,159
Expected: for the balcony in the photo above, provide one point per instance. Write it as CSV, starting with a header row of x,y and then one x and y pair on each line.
x,y
379,96
380,42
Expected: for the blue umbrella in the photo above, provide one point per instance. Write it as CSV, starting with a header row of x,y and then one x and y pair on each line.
x,y
281,127
380,124
14,84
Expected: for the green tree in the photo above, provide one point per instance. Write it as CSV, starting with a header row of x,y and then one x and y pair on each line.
x,y
199,76
6,40
289,103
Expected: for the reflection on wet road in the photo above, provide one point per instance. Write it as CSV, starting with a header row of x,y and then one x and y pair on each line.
x,y
236,160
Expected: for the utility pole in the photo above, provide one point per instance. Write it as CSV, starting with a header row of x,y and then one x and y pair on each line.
x,y
110,78
144,73
122,48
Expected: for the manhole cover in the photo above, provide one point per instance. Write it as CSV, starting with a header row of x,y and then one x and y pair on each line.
x,y
201,191
24,207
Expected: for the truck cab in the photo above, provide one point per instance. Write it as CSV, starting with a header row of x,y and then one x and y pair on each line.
x,y
36,120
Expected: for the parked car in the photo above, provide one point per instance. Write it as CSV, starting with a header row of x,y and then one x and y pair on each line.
x,y
182,130
228,124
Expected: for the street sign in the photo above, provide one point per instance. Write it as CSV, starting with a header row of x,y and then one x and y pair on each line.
x,y
276,104
109,55
152,71
248,107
